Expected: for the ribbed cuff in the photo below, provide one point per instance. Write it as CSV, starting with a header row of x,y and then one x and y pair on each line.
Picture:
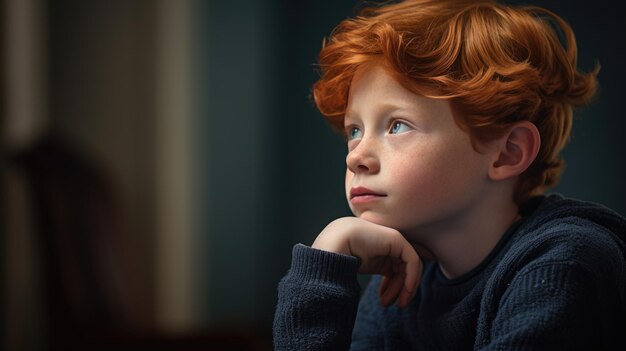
x,y
309,264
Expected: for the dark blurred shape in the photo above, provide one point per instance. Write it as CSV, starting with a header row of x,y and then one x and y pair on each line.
x,y
89,299
86,282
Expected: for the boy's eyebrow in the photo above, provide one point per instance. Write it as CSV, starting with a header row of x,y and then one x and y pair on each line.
x,y
347,117
350,116
382,109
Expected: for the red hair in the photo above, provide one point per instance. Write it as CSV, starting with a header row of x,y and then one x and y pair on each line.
x,y
496,64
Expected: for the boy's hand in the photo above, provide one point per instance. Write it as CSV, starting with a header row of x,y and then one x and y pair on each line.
x,y
382,250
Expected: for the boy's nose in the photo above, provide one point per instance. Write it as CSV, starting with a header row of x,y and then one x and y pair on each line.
x,y
362,160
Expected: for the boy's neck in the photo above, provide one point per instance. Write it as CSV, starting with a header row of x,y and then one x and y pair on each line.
x,y
463,245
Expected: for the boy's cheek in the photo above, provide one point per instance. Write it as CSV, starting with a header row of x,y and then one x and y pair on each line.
x,y
349,176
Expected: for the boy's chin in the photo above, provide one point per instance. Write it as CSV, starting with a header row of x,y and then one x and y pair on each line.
x,y
377,219
381,219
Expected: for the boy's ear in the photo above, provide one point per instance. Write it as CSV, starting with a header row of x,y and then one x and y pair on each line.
x,y
515,151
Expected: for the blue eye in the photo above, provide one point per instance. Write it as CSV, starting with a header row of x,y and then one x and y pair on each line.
x,y
354,133
399,127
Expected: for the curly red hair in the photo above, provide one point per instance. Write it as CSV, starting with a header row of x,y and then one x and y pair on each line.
x,y
496,64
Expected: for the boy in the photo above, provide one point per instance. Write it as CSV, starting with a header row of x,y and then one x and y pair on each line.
x,y
455,113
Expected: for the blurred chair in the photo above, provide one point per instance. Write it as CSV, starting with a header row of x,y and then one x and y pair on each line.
x,y
68,283
61,212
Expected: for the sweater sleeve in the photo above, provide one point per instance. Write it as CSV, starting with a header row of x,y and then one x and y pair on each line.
x,y
317,301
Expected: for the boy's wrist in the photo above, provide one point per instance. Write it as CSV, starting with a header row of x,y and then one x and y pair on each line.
x,y
335,242
337,236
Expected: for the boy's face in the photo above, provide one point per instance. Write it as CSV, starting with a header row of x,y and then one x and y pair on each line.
x,y
409,167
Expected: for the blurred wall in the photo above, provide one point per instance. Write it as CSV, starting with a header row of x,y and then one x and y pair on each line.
x,y
273,167
101,95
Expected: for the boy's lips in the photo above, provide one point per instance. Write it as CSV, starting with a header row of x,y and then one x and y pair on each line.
x,y
361,194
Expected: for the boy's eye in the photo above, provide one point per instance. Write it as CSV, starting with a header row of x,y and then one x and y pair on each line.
x,y
354,133
398,127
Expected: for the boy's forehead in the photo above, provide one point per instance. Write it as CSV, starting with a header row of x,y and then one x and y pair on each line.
x,y
374,90
374,83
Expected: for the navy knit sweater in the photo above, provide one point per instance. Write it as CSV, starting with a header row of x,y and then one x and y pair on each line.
x,y
555,281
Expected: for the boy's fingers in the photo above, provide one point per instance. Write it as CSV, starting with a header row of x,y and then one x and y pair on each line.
x,y
394,288
407,295
412,271
401,273
412,266
384,283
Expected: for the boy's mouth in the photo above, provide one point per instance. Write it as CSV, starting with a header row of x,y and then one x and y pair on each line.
x,y
362,194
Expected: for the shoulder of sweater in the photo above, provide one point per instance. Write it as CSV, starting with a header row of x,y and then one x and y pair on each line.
x,y
571,240
555,210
